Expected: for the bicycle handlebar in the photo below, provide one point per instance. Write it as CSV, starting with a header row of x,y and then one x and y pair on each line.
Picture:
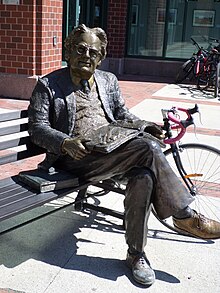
x,y
214,39
195,44
208,40
170,115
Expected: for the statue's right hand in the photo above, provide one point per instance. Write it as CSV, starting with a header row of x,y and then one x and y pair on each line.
x,y
74,148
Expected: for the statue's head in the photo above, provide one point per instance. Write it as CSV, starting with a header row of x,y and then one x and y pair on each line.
x,y
85,48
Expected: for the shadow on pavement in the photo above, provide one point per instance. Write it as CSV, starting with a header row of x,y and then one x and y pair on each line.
x,y
53,240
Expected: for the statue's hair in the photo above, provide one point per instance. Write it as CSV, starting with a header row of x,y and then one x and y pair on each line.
x,y
71,40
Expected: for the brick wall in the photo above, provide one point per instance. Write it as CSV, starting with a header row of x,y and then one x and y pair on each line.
x,y
116,29
26,37
48,25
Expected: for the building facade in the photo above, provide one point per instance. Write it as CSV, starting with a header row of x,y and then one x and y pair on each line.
x,y
149,37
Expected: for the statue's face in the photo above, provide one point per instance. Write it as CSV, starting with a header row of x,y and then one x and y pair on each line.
x,y
85,56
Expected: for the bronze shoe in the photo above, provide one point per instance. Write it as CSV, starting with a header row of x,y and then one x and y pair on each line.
x,y
198,226
140,267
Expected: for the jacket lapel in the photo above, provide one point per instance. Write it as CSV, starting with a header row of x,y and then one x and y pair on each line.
x,y
65,84
103,94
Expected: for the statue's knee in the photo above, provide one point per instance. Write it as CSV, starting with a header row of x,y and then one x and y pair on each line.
x,y
141,172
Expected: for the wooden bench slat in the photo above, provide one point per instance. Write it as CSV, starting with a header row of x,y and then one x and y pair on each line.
x,y
13,157
8,188
7,181
27,203
6,193
12,115
13,129
4,145
15,197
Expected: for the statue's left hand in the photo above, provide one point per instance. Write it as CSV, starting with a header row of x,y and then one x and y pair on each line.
x,y
74,148
155,130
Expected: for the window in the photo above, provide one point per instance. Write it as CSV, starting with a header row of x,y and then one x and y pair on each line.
x,y
146,28
163,29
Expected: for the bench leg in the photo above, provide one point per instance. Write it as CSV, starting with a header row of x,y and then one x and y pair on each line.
x,y
80,199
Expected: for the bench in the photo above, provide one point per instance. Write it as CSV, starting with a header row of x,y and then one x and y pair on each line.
x,y
15,196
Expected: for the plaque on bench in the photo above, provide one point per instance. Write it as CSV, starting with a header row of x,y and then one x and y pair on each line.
x,y
44,181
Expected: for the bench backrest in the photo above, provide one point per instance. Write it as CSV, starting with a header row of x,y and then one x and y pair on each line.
x,y
15,142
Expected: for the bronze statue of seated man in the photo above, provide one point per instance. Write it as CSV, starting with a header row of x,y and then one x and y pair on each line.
x,y
68,108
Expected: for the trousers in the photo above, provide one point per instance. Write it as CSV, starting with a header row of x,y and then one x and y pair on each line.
x,y
142,166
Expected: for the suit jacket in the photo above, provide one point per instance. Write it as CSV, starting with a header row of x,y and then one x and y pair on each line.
x,y
53,106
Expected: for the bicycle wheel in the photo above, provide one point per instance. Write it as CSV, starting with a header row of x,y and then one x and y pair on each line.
x,y
202,166
185,71
217,81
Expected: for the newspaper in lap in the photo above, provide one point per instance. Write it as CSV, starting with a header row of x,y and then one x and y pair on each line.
x,y
109,137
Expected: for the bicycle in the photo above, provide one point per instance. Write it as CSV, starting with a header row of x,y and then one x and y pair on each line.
x,y
190,69
197,165
202,67
208,75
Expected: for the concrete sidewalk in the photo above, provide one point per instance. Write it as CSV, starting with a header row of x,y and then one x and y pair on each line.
x,y
73,252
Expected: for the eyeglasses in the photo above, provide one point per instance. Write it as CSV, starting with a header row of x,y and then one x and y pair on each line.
x,y
82,49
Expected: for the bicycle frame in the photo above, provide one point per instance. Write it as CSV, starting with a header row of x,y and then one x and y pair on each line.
x,y
175,152
168,117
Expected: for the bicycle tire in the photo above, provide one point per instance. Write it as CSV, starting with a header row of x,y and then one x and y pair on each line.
x,y
204,160
184,71
217,81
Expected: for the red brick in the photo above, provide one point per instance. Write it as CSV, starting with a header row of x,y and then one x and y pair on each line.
x,y
17,52
16,27
17,39
6,39
22,46
5,13
5,51
11,57
6,63
22,58
10,45
5,26
22,33
2,69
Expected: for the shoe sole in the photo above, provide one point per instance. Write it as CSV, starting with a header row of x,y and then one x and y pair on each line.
x,y
142,283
